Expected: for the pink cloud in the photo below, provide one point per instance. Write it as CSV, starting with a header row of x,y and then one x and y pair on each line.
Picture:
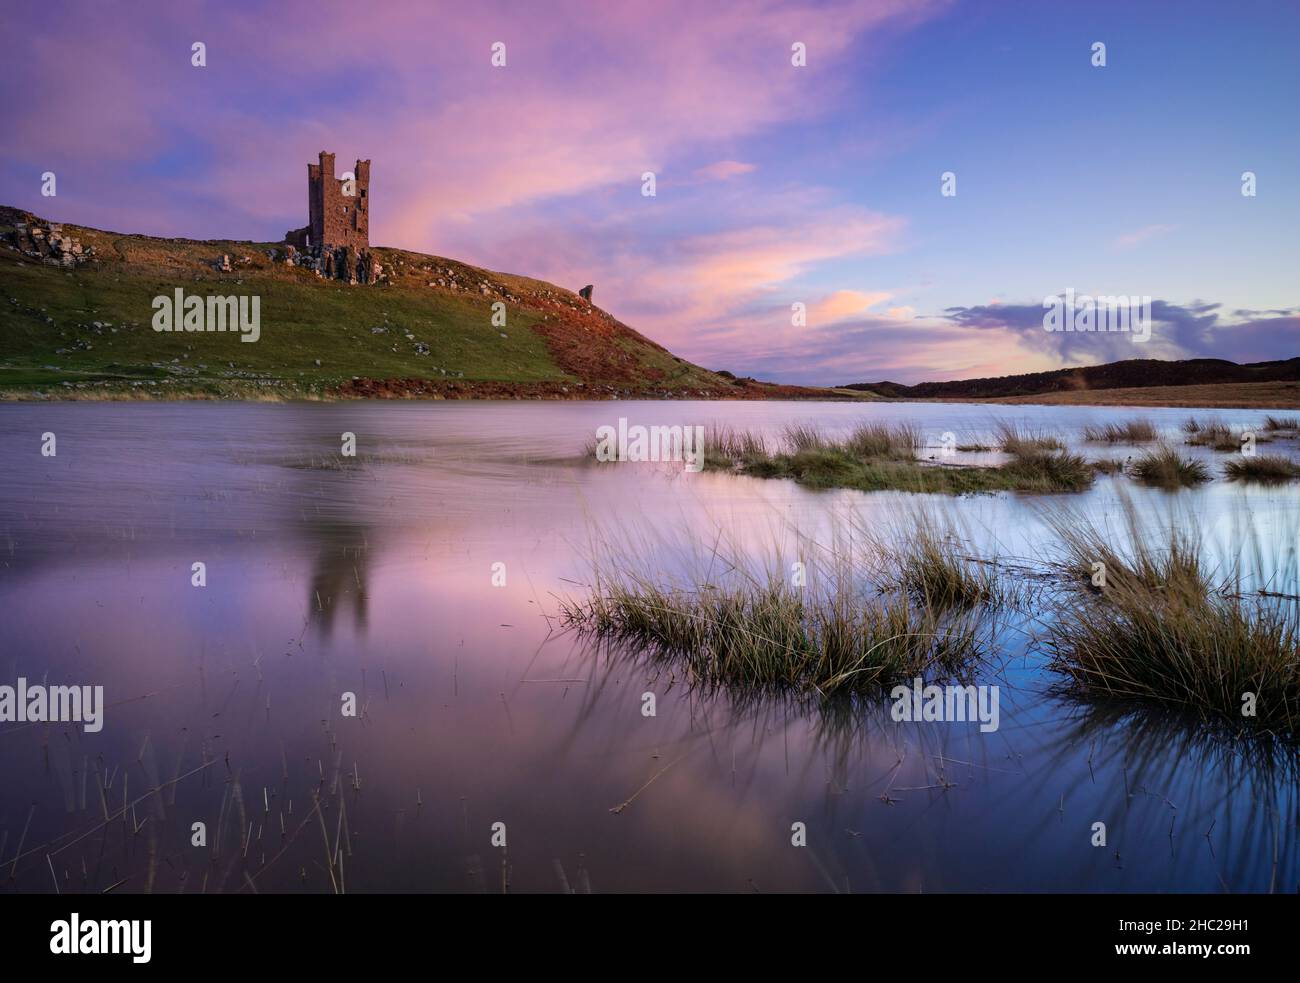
x,y
843,304
725,170
741,263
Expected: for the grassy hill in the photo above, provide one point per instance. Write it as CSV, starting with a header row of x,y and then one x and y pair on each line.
x,y
85,332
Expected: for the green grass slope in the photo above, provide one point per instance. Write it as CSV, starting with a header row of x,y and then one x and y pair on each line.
x,y
87,332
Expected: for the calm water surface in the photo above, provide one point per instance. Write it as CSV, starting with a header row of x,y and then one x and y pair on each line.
x,y
374,576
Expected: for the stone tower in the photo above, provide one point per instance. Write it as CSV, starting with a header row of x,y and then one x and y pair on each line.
x,y
335,218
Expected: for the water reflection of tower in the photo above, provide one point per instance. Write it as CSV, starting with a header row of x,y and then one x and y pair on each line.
x,y
339,575
326,501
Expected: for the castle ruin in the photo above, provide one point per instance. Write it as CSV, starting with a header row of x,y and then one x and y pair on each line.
x,y
336,240
338,209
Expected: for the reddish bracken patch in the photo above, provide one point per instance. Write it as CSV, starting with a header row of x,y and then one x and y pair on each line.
x,y
584,343
469,389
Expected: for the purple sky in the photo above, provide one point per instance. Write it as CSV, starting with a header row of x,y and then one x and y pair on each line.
x,y
776,184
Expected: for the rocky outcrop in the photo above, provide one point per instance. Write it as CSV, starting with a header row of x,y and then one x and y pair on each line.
x,y
50,244
345,263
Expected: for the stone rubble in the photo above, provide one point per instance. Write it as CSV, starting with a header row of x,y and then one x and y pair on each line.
x,y
50,244
345,263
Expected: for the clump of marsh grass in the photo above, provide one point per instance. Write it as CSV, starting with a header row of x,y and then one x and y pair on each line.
x,y
1038,470
726,447
826,632
1212,433
1162,628
776,635
804,437
1040,462
879,457
1264,468
1166,468
1014,440
866,441
883,440
1132,432
931,565
1183,646
1274,423
1207,432
1085,550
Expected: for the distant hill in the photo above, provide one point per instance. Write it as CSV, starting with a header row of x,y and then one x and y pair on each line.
x,y
78,327
1135,373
